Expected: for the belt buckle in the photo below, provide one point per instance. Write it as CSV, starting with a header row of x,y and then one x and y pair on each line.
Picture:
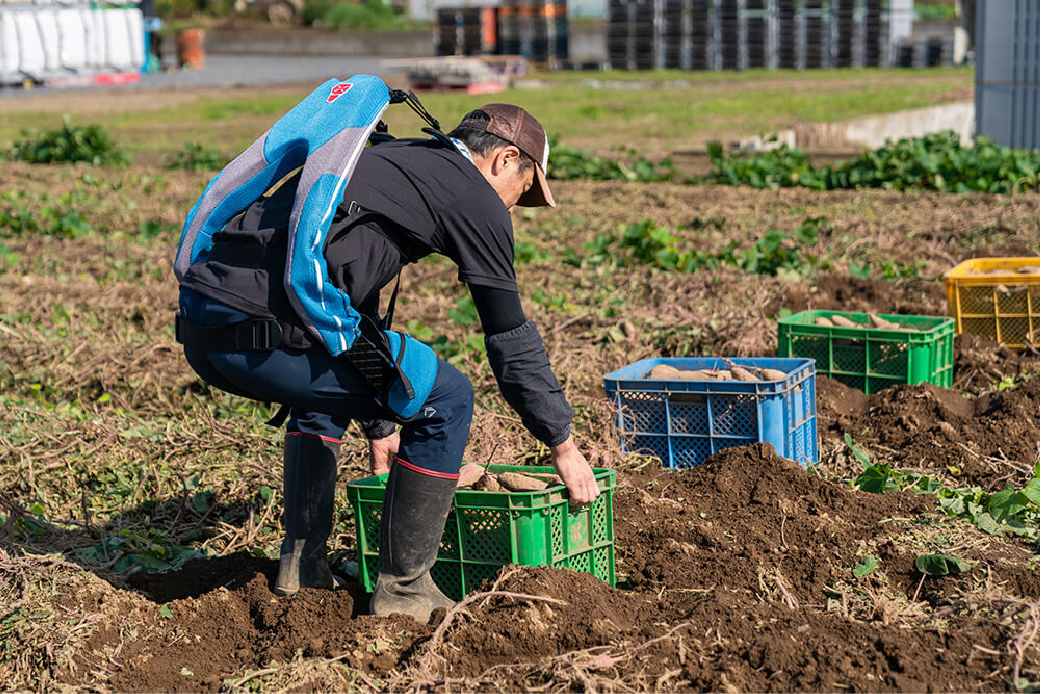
x,y
267,335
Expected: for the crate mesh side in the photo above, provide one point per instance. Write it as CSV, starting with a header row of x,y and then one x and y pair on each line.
x,y
450,539
812,347
688,416
475,574
486,534
602,563
849,355
888,358
447,576
556,529
599,512
648,445
976,299
642,413
1013,301
734,415
371,513
689,451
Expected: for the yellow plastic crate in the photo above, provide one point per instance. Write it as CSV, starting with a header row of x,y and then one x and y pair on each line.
x,y
988,297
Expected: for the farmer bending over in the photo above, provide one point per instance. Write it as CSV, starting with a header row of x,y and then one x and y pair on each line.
x,y
408,198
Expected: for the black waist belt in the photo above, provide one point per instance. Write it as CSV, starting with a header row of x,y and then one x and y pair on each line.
x,y
263,334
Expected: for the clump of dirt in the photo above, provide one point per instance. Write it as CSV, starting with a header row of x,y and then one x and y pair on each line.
x,y
980,362
224,617
746,518
843,293
988,440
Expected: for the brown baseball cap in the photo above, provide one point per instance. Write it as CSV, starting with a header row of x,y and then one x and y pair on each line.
x,y
517,126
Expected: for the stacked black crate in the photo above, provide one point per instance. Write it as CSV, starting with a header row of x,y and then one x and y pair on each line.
x,y
704,35
535,29
466,30
631,34
876,33
791,36
815,18
847,18
731,35
675,34
760,48
446,33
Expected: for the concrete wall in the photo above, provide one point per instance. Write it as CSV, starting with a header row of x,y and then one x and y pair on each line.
x,y
872,131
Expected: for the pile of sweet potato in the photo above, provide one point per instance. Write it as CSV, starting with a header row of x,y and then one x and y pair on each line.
x,y
877,323
749,374
479,478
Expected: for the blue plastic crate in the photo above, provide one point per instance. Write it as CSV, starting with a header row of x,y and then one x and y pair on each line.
x,y
685,422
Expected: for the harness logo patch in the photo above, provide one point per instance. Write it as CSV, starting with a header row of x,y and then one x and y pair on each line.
x,y
338,90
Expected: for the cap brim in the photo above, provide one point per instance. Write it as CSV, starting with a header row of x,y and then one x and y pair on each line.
x,y
538,195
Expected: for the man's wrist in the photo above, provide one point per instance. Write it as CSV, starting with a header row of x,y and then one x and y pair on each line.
x,y
377,428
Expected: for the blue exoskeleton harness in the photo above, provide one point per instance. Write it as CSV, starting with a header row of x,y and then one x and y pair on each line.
x,y
325,134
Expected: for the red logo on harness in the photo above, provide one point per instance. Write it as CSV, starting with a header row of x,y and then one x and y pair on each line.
x,y
338,91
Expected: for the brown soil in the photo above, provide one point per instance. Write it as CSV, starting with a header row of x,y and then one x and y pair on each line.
x,y
736,577
842,293
989,440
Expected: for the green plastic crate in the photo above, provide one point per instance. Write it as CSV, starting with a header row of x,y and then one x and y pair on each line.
x,y
868,358
487,530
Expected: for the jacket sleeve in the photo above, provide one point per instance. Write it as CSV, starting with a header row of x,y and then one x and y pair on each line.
x,y
521,366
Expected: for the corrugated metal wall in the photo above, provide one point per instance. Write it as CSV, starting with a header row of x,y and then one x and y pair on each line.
x,y
1008,69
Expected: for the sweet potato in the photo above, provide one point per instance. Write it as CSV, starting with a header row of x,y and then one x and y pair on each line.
x,y
663,372
468,474
824,322
741,374
882,323
697,375
487,483
772,374
843,322
516,482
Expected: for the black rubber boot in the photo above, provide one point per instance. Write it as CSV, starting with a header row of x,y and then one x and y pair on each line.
x,y
414,510
309,484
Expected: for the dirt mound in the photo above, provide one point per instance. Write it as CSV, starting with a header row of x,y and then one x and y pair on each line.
x,y
980,362
843,293
989,440
232,622
745,518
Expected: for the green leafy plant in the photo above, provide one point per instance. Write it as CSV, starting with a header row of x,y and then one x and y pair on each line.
x,y
941,565
70,143
18,219
932,162
865,566
1010,510
569,163
195,157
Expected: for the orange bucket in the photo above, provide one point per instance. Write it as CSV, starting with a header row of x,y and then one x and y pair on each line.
x,y
190,51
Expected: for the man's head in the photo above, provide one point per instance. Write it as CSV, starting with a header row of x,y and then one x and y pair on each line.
x,y
510,148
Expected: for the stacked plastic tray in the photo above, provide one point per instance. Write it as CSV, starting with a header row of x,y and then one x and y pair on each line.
x,y
535,29
466,30
631,34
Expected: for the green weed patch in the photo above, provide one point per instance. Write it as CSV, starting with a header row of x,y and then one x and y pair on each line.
x,y
932,162
70,143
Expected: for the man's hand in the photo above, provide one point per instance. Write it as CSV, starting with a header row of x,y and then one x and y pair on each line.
x,y
572,467
382,452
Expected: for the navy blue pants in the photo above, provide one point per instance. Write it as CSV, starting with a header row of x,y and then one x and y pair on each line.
x,y
326,392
